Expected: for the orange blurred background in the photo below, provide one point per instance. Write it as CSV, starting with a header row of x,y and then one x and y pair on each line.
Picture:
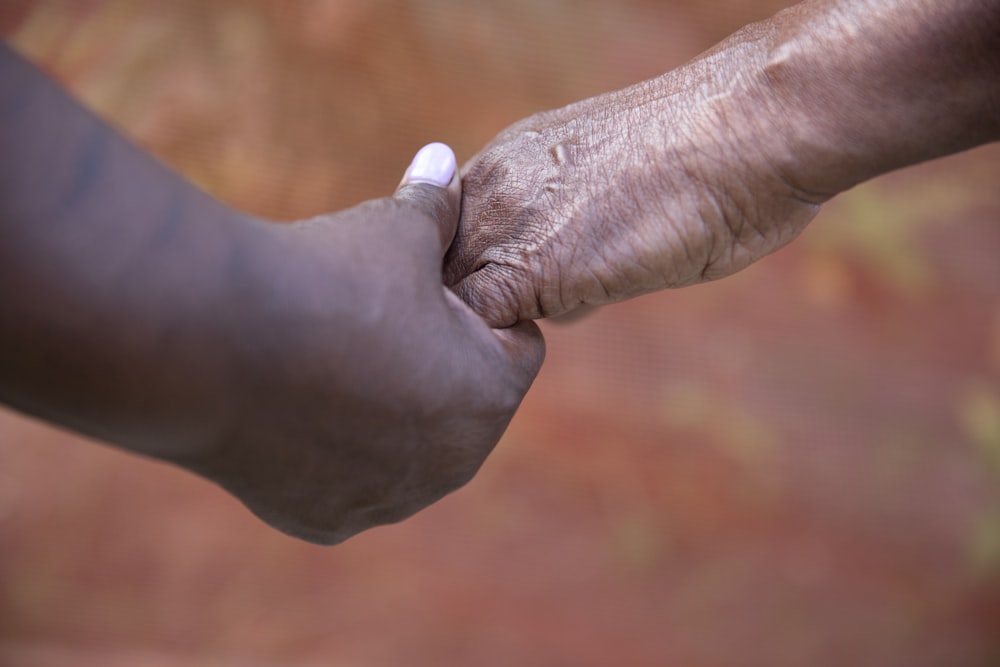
x,y
796,466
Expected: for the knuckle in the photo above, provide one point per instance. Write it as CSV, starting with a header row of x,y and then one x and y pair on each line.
x,y
499,295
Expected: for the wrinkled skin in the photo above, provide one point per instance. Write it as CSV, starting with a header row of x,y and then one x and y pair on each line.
x,y
696,174
664,184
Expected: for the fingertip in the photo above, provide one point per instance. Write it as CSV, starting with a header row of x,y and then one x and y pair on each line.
x,y
454,187
432,184
520,341
434,164
525,342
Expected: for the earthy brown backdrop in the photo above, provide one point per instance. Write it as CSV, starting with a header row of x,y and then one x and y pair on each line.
x,y
797,466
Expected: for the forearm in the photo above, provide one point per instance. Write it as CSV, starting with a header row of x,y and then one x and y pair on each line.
x,y
319,371
113,278
698,173
862,87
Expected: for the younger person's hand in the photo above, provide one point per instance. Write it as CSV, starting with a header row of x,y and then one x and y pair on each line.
x,y
364,389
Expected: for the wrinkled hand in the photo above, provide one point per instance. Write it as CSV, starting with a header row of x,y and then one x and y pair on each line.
x,y
668,183
365,389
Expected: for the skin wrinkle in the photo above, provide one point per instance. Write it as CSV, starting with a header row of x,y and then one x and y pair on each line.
x,y
510,287
588,254
704,164
609,185
723,246
734,218
646,147
680,237
636,235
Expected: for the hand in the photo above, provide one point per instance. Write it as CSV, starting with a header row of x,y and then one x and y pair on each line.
x,y
363,390
320,371
668,183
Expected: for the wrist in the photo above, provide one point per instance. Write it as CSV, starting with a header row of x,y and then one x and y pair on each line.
x,y
775,126
186,369
809,109
290,320
861,88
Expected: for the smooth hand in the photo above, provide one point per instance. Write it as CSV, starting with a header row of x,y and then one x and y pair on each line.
x,y
365,389
320,371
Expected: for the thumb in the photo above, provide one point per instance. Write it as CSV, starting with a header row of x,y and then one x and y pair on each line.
x,y
433,186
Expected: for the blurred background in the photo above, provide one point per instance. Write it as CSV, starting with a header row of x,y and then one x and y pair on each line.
x,y
796,466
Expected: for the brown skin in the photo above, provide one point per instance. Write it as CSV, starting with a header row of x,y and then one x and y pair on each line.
x,y
319,371
694,175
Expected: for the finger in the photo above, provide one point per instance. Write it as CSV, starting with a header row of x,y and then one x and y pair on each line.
x,y
473,233
432,184
521,343
492,294
525,346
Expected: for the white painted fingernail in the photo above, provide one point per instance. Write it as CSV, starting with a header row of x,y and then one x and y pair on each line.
x,y
434,164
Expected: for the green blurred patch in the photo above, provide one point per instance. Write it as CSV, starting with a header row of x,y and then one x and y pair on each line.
x,y
723,421
978,414
995,342
881,226
901,453
984,547
638,542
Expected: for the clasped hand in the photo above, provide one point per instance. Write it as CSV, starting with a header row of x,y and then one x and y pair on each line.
x,y
346,371
367,389
665,184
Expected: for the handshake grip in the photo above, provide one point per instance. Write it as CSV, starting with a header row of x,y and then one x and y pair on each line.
x,y
618,196
399,331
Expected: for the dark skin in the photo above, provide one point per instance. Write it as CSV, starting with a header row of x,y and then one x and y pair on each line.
x,y
319,371
694,175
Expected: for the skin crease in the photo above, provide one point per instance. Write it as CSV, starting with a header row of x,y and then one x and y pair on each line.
x,y
694,175
320,371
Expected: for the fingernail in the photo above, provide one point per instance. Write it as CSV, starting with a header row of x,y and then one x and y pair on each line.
x,y
434,164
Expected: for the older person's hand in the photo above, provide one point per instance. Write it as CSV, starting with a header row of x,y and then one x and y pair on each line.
x,y
664,184
696,174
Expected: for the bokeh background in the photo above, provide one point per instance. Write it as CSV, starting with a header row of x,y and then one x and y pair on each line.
x,y
796,466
